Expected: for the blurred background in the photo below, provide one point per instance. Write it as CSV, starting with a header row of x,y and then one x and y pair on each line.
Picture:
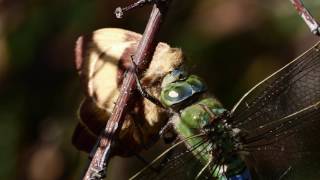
x,y
232,44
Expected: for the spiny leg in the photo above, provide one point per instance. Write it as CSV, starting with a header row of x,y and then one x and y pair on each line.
x,y
285,173
167,133
142,90
225,113
139,132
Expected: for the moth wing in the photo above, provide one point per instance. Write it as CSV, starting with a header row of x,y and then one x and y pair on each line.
x,y
102,58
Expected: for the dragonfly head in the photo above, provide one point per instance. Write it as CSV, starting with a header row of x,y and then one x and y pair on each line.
x,y
178,88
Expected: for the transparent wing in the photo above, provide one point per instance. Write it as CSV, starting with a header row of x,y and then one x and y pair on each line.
x,y
280,117
287,148
180,162
292,88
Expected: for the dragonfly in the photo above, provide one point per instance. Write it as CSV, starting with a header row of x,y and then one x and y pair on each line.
x,y
263,136
271,133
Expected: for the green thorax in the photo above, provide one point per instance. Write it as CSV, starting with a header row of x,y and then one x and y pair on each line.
x,y
194,120
197,114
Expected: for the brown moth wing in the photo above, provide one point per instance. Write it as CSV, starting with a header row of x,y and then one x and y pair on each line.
x,y
101,60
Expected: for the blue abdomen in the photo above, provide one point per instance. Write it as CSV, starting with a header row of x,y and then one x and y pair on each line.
x,y
245,175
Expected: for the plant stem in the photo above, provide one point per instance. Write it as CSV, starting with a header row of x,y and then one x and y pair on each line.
x,y
142,58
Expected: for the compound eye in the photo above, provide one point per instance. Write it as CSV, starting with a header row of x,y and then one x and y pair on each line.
x,y
174,76
179,74
179,92
196,83
176,93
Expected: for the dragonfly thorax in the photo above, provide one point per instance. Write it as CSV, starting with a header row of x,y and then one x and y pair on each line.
x,y
218,141
202,121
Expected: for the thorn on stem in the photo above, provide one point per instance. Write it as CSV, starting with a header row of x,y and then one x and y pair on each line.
x,y
119,11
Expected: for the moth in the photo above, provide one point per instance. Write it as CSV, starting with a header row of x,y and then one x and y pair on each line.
x,y
101,61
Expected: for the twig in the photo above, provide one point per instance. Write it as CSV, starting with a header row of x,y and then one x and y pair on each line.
x,y
142,59
307,17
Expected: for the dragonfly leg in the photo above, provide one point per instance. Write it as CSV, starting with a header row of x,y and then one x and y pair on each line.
x,y
94,149
306,16
168,133
142,90
139,133
285,173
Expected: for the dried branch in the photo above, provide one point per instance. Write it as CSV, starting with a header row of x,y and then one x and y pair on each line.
x,y
142,58
307,17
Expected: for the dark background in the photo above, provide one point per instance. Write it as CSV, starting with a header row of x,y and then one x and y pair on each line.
x,y
232,44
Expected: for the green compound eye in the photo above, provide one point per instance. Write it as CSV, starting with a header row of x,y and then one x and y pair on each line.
x,y
196,84
175,75
177,92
